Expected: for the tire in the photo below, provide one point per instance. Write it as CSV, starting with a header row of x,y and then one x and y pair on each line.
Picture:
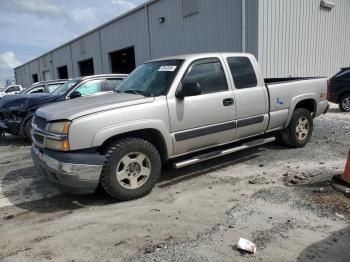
x,y
344,103
296,135
138,164
28,129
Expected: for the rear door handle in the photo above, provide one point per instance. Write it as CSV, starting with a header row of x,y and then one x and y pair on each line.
x,y
228,102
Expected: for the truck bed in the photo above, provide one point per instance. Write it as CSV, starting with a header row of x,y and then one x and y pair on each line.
x,y
272,81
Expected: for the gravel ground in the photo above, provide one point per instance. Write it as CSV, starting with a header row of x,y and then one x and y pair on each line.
x,y
279,198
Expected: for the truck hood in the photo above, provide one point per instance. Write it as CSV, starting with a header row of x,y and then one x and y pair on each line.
x,y
75,108
25,100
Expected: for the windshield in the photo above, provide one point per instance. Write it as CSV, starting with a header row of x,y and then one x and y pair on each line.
x,y
151,79
65,87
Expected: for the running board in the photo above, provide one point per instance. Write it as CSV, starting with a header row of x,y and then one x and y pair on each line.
x,y
218,153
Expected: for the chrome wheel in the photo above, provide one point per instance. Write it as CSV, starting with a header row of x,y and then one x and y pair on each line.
x,y
302,129
346,103
133,170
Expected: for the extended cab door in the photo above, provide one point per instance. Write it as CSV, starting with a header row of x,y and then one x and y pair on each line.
x,y
206,119
251,96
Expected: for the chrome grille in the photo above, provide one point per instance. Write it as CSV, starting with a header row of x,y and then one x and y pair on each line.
x,y
40,122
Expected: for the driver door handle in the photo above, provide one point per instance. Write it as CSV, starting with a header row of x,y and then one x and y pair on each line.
x,y
228,102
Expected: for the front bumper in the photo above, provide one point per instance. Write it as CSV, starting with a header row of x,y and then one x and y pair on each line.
x,y
69,171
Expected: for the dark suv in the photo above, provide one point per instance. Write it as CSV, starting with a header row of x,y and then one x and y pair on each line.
x,y
16,112
339,89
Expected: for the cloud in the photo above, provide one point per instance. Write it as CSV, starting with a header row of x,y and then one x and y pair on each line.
x,y
40,8
123,4
86,16
8,60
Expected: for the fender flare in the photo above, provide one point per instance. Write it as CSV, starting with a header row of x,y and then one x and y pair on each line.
x,y
103,135
311,96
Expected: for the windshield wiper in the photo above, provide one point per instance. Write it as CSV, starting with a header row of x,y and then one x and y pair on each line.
x,y
136,92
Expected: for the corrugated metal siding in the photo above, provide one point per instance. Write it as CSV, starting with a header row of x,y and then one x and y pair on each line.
x,y
34,69
216,27
129,31
299,38
62,57
45,64
91,49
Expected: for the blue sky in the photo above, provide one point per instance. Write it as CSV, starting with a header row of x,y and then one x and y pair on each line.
x,y
29,28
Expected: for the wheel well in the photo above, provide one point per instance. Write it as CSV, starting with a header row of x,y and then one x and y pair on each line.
x,y
308,104
151,135
342,95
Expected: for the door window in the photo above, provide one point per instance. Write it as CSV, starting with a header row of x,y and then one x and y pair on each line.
x,y
12,89
209,73
39,89
90,87
112,84
53,87
243,72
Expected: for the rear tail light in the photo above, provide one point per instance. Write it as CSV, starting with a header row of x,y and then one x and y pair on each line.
x,y
328,89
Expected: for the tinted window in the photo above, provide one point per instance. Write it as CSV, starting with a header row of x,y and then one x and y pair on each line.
x,y
209,74
112,84
242,72
90,87
12,89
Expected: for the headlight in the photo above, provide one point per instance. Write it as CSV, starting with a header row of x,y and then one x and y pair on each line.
x,y
60,128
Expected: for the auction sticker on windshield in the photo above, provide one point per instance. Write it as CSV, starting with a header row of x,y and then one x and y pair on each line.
x,y
167,68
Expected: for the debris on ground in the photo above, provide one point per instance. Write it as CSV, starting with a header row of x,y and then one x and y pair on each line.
x,y
246,245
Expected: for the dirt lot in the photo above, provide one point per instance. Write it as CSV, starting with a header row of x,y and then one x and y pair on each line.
x,y
279,198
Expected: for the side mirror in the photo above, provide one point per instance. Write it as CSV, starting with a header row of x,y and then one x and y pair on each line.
x,y
75,94
188,89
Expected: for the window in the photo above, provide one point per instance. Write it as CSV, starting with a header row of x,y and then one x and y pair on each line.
x,y
13,89
90,87
53,87
190,7
243,72
112,84
209,74
39,89
343,74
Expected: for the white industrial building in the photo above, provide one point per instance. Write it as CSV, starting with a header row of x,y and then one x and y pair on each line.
x,y
289,38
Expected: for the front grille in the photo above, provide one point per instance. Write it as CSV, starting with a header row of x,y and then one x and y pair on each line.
x,y
40,122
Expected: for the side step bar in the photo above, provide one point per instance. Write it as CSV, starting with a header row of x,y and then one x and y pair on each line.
x,y
218,153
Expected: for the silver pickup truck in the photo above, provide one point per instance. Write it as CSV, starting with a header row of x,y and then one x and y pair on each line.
x,y
183,109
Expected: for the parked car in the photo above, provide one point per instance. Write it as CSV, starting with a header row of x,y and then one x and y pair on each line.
x,y
16,112
339,89
10,90
186,109
44,86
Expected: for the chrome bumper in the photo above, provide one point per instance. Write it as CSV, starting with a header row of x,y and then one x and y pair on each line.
x,y
70,177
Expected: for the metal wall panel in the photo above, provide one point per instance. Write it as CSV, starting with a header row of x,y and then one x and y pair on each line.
x,y
131,30
62,57
45,64
34,69
216,27
85,48
300,38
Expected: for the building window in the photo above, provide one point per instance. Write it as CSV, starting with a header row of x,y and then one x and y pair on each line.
x,y
190,7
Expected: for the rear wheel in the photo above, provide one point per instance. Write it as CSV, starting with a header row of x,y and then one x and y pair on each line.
x,y
28,130
344,103
299,130
131,169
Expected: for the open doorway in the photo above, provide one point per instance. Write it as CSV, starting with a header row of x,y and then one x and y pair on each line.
x,y
86,67
35,78
122,61
62,72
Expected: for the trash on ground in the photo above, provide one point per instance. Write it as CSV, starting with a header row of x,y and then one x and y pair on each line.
x,y
246,245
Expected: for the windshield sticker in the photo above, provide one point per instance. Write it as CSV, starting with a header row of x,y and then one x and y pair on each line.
x,y
167,68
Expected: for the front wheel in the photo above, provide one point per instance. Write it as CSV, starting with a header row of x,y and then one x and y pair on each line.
x,y
28,130
299,130
344,103
131,169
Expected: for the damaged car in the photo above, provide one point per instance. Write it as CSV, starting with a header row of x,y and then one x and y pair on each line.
x,y
16,112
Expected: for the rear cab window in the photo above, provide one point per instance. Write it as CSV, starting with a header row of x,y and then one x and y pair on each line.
x,y
242,71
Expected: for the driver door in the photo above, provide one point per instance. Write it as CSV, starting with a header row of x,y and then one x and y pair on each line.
x,y
207,119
